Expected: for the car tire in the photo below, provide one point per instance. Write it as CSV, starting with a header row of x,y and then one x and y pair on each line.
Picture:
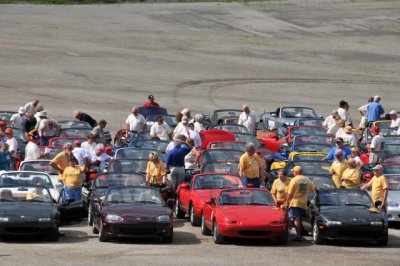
x,y
383,241
316,234
218,238
90,215
283,239
168,238
53,235
178,211
94,229
102,236
204,230
194,219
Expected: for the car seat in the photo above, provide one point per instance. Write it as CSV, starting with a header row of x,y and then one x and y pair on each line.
x,y
6,194
146,196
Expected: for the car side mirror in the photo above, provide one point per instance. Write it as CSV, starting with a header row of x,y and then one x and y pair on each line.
x,y
273,115
310,203
210,202
274,136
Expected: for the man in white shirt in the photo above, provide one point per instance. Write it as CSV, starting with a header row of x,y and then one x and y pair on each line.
x,y
376,146
32,151
192,134
330,120
99,158
18,120
12,147
31,106
395,119
343,111
135,124
89,145
48,128
80,154
249,119
160,129
363,112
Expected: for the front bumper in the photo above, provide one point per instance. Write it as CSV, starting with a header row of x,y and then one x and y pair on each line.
x,y
27,228
137,230
393,214
363,233
256,232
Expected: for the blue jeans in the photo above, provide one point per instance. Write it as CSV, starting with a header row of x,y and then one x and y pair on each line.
x,y
44,141
255,181
295,212
134,137
73,193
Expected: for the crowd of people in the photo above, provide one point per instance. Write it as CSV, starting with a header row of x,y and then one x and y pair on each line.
x,y
183,151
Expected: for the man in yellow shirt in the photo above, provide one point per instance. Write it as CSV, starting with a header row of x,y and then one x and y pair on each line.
x,y
296,198
351,177
337,168
279,188
250,167
379,187
155,172
60,162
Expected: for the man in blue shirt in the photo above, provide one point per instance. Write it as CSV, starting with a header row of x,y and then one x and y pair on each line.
x,y
375,110
175,162
339,145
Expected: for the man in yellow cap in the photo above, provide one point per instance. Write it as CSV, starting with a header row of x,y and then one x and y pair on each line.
x,y
296,198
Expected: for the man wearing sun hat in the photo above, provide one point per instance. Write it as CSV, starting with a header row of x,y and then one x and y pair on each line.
x,y
296,199
17,120
395,119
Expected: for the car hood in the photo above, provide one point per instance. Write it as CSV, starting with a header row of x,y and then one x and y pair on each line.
x,y
349,213
26,209
127,210
251,213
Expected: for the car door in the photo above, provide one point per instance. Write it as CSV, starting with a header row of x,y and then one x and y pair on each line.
x,y
184,197
69,208
308,214
208,211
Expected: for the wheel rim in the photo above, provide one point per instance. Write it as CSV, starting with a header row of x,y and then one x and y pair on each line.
x,y
100,229
89,214
191,213
202,223
177,207
215,232
315,231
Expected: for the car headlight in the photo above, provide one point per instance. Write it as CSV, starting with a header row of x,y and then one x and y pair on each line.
x,y
333,222
3,219
113,218
376,223
162,219
44,219
393,204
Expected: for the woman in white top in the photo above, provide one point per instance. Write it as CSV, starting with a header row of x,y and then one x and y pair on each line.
x,y
192,156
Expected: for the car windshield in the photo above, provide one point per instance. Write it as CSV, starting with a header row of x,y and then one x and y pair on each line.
x,y
393,182
295,112
344,197
74,124
159,145
325,148
223,167
218,114
50,152
248,138
392,139
309,122
221,155
59,142
246,197
311,167
19,135
228,146
133,195
167,119
391,169
118,180
137,153
313,139
25,193
6,115
395,158
321,182
311,131
232,128
307,156
75,132
391,149
25,179
38,166
128,166
216,181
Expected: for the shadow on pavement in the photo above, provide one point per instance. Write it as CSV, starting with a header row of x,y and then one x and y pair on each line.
x,y
71,236
180,238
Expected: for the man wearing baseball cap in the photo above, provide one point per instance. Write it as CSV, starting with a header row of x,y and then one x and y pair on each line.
x,y
339,145
296,199
376,146
379,187
151,102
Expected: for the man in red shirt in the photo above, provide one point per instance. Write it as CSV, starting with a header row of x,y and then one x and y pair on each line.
x,y
151,102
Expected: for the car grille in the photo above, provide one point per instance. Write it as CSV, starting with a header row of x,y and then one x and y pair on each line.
x,y
22,230
138,231
354,233
254,233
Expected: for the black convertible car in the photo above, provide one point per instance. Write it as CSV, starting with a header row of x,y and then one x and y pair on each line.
x,y
345,214
133,212
28,210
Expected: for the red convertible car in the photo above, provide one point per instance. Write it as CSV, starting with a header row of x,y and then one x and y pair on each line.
x,y
190,198
244,213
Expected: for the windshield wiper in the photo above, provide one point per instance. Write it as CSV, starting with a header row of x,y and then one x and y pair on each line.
x,y
356,204
146,201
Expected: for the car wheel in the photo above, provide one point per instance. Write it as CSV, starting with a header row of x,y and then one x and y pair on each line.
x,y
284,239
218,238
204,230
178,211
90,215
168,238
316,235
194,219
384,240
53,235
102,235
